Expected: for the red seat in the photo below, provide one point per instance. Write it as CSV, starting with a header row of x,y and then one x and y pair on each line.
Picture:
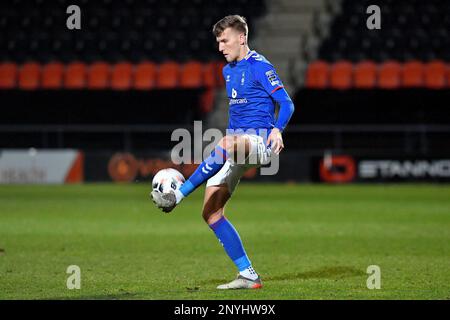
x,y
121,77
168,75
220,81
98,75
145,76
389,75
52,75
207,100
365,75
75,76
191,75
317,75
341,75
29,76
8,75
209,75
435,74
413,74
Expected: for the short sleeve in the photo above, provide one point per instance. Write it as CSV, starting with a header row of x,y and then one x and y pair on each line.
x,y
268,77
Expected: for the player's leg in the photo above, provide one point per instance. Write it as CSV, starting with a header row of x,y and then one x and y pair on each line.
x,y
217,193
230,146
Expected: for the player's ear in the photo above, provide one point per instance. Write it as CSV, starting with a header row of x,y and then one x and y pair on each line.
x,y
242,39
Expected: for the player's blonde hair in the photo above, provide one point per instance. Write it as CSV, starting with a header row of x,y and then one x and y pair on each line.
x,y
234,21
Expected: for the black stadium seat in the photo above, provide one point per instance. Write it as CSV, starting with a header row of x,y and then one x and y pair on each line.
x,y
410,30
115,30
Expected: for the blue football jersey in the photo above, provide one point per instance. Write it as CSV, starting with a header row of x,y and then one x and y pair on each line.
x,y
250,84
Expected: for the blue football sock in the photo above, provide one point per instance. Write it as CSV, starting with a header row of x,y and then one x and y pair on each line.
x,y
208,168
230,240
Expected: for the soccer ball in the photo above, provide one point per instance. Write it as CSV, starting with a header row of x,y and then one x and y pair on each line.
x,y
166,180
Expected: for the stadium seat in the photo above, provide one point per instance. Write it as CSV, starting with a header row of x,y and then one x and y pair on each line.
x,y
341,73
365,76
207,100
29,76
209,75
8,75
52,75
219,74
191,75
412,74
167,75
145,76
75,76
435,75
98,75
121,77
317,75
389,75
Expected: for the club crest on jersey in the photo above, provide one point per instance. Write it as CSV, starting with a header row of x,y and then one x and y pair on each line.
x,y
233,93
243,78
272,77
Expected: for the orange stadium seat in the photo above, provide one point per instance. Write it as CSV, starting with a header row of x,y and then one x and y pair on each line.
x,y
122,74
317,75
75,76
8,75
191,75
29,76
365,76
168,75
98,75
435,74
145,76
209,75
219,74
412,74
207,100
389,75
52,75
341,74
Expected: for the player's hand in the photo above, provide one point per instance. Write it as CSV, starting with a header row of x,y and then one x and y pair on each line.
x,y
276,140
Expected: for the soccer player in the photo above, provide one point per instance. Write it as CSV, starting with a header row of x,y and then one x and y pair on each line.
x,y
253,88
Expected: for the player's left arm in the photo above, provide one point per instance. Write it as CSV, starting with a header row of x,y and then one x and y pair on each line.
x,y
284,115
269,79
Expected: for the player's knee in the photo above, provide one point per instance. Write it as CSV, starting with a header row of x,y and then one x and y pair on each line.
x,y
211,217
236,146
228,143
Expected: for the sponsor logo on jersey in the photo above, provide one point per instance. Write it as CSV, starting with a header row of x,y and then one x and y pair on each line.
x,y
233,93
238,101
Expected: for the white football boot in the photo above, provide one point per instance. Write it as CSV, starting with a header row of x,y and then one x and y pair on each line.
x,y
165,201
242,282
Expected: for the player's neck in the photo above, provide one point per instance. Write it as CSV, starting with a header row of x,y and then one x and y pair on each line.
x,y
244,51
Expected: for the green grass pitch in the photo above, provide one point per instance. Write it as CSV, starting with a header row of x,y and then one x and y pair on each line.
x,y
307,242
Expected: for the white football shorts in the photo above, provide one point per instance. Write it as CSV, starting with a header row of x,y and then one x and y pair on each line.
x,y
231,172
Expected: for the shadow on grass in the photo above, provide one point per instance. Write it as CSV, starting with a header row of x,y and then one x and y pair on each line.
x,y
112,296
333,273
337,272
